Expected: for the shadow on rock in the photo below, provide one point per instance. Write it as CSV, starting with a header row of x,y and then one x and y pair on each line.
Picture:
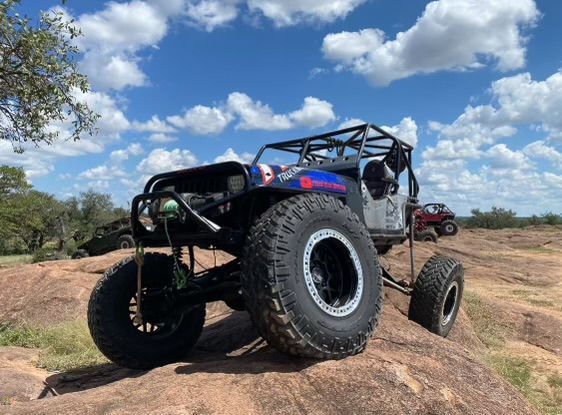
x,y
229,345
233,346
87,378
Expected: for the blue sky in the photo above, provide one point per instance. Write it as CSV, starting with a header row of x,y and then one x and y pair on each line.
x,y
475,85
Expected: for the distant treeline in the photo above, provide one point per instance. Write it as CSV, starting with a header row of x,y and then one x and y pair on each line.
x,y
32,221
500,218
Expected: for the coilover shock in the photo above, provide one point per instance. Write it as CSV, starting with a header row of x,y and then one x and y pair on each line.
x,y
181,276
179,273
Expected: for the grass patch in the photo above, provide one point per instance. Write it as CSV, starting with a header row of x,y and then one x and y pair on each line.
x,y
12,260
513,369
543,392
540,250
487,328
555,381
547,398
528,296
63,347
521,293
540,303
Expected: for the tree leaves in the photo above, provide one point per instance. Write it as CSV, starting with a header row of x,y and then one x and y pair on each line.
x,y
39,82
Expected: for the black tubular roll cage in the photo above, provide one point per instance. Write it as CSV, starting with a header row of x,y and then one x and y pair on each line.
x,y
364,142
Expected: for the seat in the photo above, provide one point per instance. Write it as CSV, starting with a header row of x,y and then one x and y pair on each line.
x,y
378,178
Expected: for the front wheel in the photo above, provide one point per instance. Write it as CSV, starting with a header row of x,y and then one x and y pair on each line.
x,y
427,235
311,278
81,253
437,294
163,337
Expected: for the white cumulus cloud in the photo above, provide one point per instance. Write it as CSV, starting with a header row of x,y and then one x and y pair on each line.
x,y
160,160
255,115
154,125
102,172
314,113
449,35
231,155
202,120
113,36
291,12
406,130
210,14
251,114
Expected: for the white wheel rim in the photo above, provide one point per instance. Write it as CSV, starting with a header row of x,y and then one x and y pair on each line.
x,y
351,305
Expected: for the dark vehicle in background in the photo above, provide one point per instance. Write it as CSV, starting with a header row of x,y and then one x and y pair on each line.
x,y
109,237
305,235
439,217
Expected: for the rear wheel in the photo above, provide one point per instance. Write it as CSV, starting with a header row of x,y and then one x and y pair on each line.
x,y
449,228
437,294
125,242
311,278
163,337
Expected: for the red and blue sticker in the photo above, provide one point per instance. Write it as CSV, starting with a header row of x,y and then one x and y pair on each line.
x,y
298,178
322,181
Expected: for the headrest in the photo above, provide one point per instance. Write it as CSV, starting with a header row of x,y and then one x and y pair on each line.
x,y
375,170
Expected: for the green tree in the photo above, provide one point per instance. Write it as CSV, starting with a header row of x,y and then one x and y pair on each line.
x,y
38,78
12,180
36,217
497,218
96,209
12,183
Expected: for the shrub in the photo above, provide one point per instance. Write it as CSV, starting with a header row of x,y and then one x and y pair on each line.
x,y
497,218
552,218
48,253
534,220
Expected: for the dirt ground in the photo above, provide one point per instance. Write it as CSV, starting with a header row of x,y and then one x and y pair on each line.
x,y
516,275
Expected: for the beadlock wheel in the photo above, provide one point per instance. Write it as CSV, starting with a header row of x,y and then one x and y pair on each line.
x,y
333,273
311,278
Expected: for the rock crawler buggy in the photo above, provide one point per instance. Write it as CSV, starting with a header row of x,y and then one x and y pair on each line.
x,y
437,216
304,236
109,237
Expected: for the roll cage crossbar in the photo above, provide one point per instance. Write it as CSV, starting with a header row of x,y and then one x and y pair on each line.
x,y
366,141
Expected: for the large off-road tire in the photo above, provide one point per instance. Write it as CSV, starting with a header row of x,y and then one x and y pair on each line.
x,y
163,338
449,228
81,253
427,235
437,294
311,279
125,242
